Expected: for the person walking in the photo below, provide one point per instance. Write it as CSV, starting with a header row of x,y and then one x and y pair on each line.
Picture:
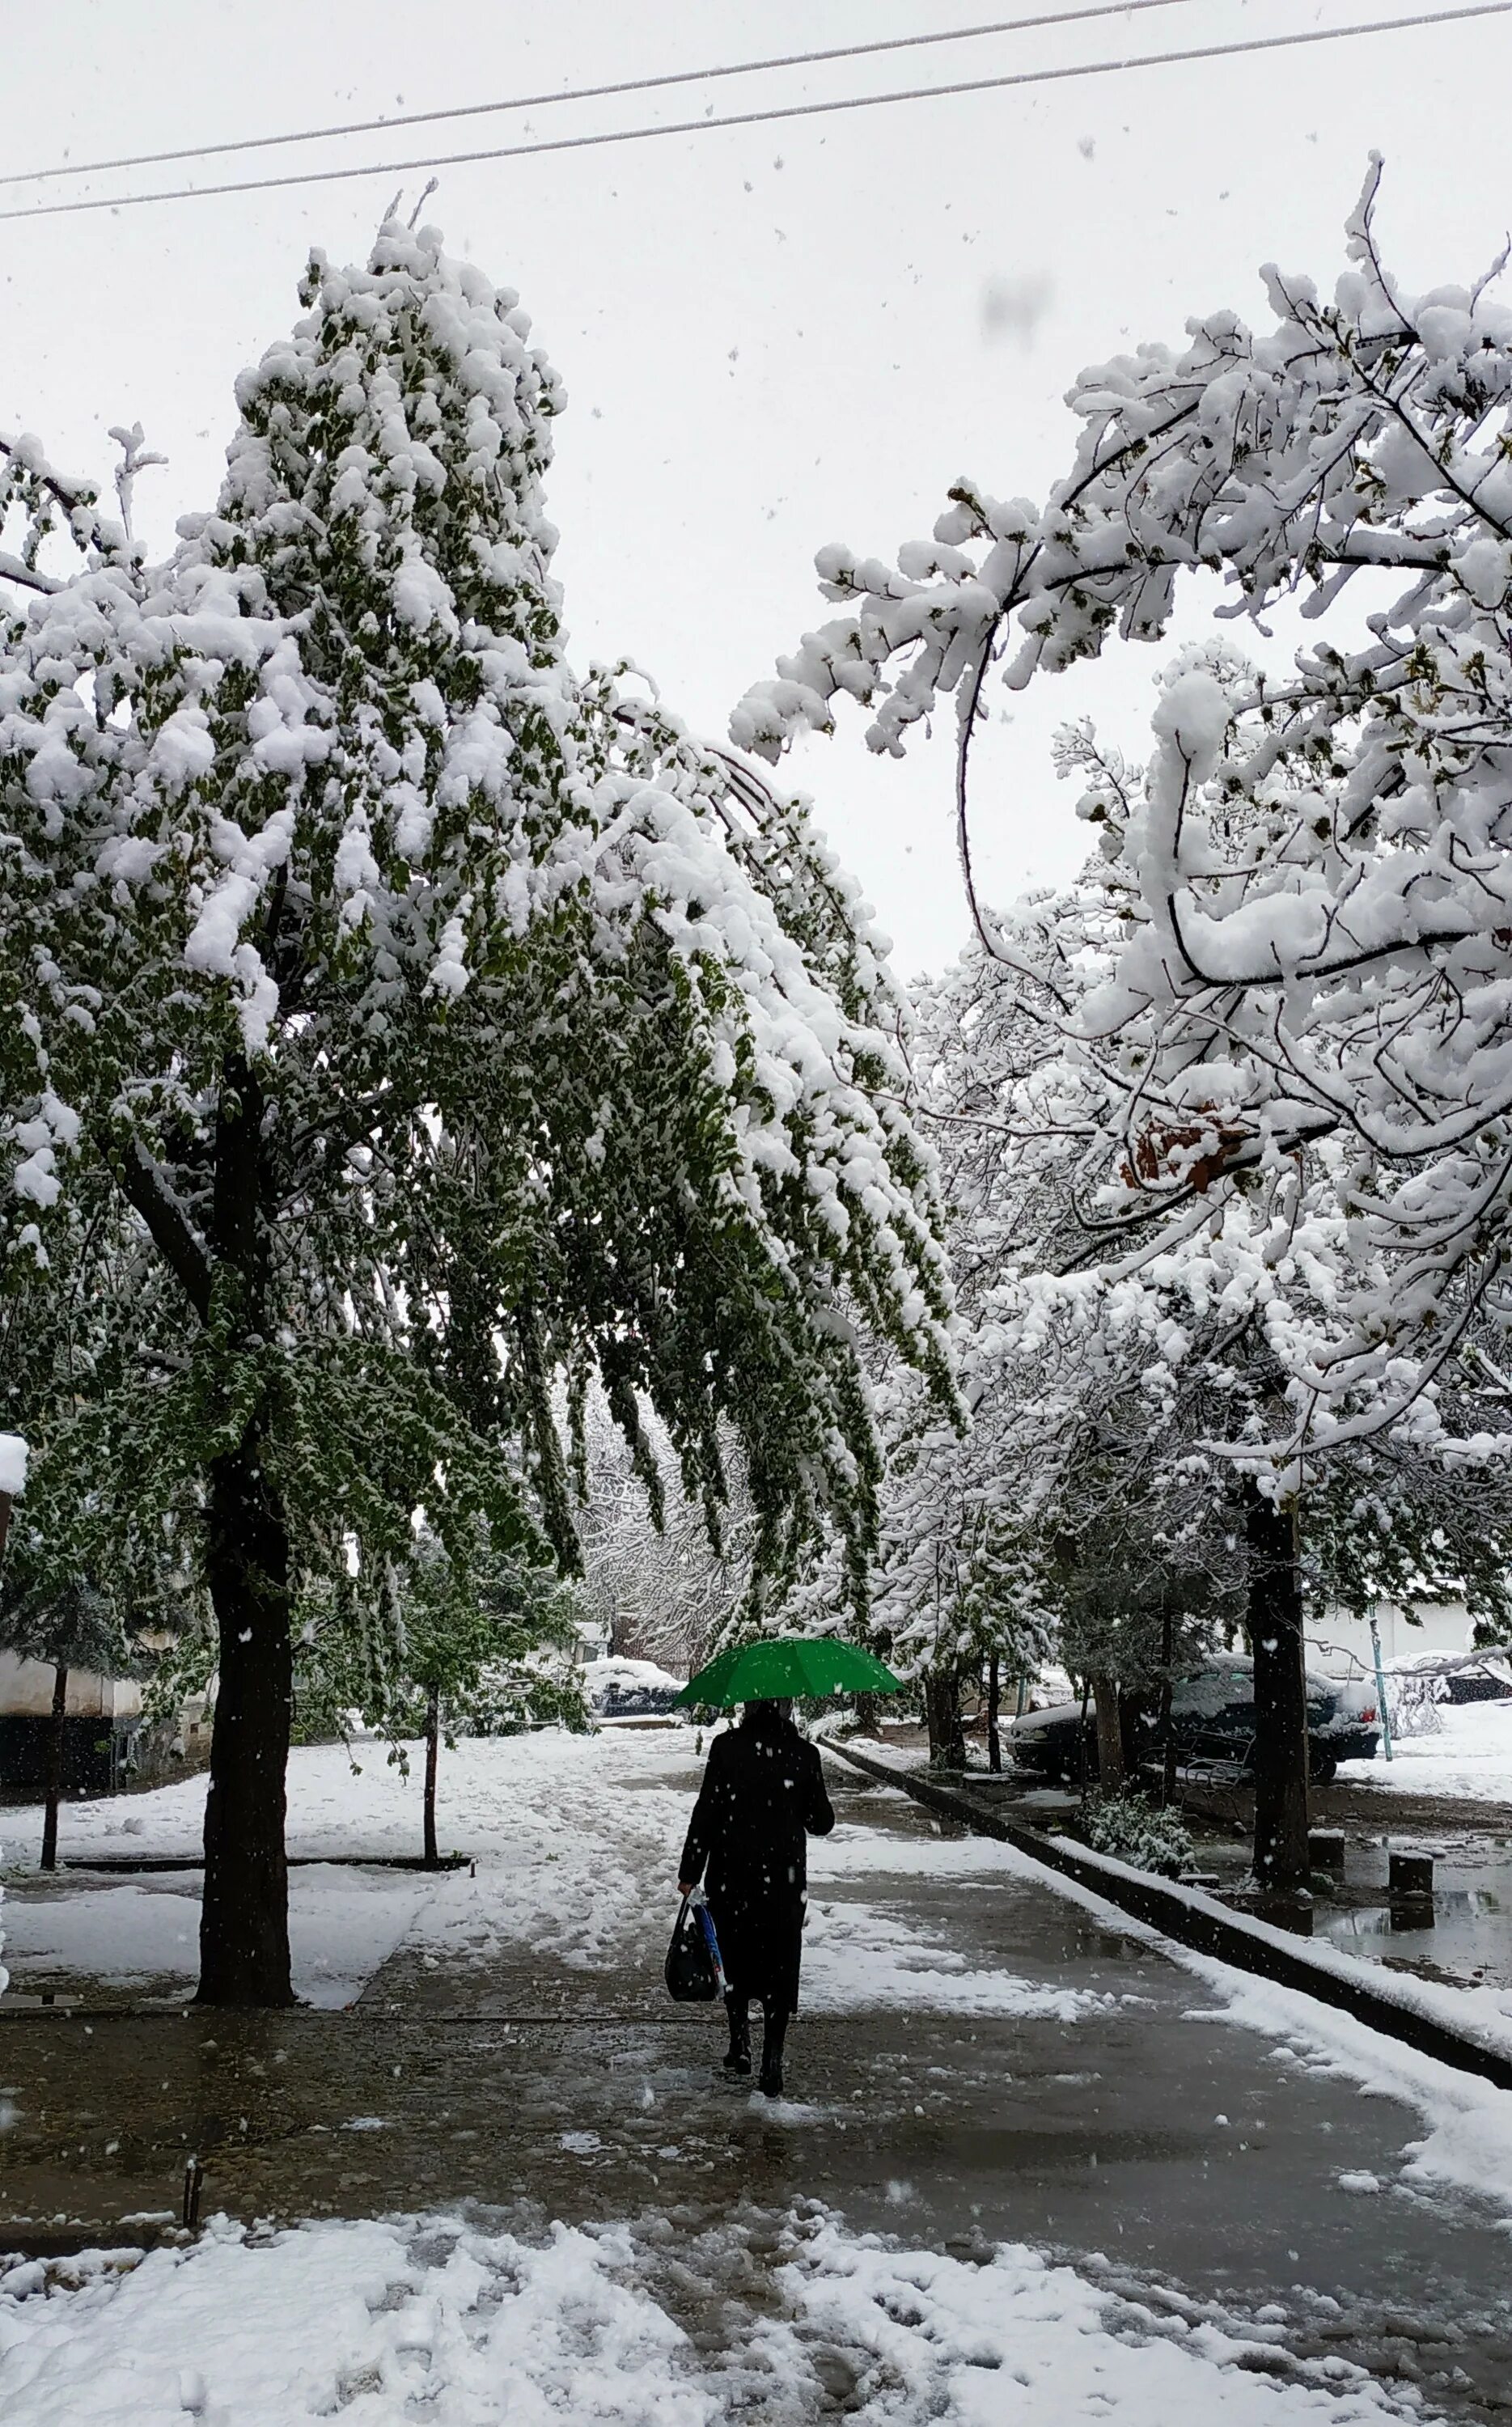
x,y
762,1797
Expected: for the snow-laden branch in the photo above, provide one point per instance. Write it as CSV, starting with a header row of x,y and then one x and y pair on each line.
x,y
1303,953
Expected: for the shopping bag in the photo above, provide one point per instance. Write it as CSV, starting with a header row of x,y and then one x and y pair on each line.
x,y
691,1971
706,1923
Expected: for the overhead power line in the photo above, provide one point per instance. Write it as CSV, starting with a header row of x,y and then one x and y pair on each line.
x,y
791,110
591,92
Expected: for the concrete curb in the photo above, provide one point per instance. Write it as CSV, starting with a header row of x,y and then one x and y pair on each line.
x,y
124,1863
1208,1932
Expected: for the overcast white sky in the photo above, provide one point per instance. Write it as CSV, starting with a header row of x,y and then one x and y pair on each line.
x,y
770,337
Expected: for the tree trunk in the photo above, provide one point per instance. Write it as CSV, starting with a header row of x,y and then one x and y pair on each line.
x,y
244,1937
1167,1732
993,1703
1275,1620
433,1743
1111,1779
54,1767
942,1706
6,1504
869,1715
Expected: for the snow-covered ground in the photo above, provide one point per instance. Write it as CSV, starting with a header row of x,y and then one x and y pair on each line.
x,y
1469,1753
378,2322
553,1872
431,2319
133,1933
569,1834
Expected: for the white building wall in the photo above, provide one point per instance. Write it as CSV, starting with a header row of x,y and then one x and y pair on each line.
x,y
26,1692
1443,1626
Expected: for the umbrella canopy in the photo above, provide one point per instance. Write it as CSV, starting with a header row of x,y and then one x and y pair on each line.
x,y
787,1666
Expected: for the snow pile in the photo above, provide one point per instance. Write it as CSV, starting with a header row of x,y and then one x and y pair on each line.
x,y
373,2323
13,1455
1023,2340
383,2322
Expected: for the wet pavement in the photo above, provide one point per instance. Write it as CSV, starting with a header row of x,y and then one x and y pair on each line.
x,y
1463,1940
1147,2144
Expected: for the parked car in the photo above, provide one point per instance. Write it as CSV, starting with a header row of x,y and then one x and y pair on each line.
x,y
1212,1720
630,1689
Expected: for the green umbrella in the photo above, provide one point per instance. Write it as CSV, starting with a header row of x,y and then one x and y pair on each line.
x,y
788,1666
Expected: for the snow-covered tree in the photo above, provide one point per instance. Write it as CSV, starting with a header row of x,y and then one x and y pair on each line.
x,y
665,1576
1288,1098
447,1023
1130,1398
1321,861
14,1458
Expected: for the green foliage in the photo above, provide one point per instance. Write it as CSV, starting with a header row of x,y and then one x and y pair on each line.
x,y
404,1023
1133,1829
1395,1525
493,1638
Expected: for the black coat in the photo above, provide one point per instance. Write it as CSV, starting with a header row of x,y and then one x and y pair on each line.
x,y
763,1793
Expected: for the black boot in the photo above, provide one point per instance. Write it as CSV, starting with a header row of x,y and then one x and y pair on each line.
x,y
737,2057
771,2040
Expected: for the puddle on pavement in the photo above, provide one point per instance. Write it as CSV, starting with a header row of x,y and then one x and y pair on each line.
x,y
1467,1938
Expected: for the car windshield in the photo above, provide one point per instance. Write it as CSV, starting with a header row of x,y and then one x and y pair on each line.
x,y
1215,1689
1224,1684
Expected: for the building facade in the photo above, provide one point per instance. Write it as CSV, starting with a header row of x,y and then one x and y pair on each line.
x,y
101,1717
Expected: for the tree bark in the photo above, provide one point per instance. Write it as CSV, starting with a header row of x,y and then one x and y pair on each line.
x,y
869,1715
1167,1732
244,1938
1110,1779
1274,1622
433,1743
244,1935
994,1703
942,1706
54,1767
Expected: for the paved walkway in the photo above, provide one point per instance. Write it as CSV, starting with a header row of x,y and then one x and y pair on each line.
x,y
1055,2082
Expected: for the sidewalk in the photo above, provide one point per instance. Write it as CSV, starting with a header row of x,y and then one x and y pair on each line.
x,y
978,2062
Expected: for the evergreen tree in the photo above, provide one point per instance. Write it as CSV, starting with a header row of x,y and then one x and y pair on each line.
x,y
446,1023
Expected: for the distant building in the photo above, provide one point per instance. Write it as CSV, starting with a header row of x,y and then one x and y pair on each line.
x,y
100,1718
1341,1646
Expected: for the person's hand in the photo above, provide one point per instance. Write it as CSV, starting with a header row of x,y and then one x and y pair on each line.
x,y
684,1887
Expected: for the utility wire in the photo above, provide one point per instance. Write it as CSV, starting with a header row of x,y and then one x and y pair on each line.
x,y
591,92
767,116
